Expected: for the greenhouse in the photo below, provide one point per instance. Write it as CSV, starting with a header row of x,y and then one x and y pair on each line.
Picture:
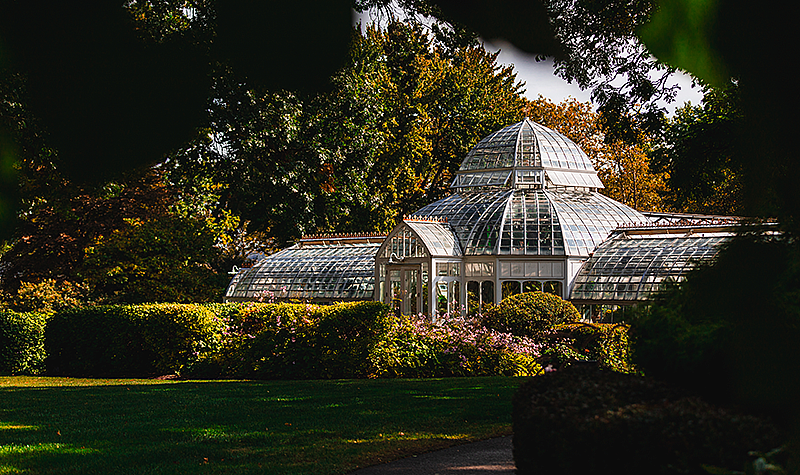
x,y
320,269
636,263
524,214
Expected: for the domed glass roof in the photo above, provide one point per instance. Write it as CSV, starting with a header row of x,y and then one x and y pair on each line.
x,y
531,222
526,155
528,190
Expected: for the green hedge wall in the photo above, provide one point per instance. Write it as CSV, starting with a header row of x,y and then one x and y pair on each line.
x,y
21,342
296,341
131,340
278,341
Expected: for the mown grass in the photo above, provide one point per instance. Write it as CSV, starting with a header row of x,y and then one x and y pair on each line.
x,y
80,426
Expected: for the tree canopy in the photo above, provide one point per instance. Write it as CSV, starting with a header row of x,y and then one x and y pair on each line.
x,y
384,141
700,154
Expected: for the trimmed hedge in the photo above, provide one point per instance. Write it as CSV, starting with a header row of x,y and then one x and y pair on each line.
x,y
131,340
529,314
279,341
22,342
625,424
296,341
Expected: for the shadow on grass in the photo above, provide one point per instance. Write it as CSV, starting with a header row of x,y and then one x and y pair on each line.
x,y
314,427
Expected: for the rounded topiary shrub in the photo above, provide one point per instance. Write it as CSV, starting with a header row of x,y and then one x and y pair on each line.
x,y
529,314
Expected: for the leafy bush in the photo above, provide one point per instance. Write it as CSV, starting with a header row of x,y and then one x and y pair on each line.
x,y
158,260
131,340
48,296
455,346
623,423
295,341
21,342
731,330
606,343
529,314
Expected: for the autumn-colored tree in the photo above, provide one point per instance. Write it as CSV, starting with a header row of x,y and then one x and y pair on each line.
x,y
133,240
385,141
159,260
623,166
53,234
700,154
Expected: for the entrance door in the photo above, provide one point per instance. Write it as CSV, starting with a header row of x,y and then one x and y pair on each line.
x,y
403,287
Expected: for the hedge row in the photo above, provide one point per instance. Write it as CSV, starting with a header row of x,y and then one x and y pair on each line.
x,y
587,420
131,340
292,341
357,340
21,342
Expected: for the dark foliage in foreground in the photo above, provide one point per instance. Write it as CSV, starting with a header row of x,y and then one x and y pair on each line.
x,y
586,420
730,331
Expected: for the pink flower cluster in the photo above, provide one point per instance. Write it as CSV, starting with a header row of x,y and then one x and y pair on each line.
x,y
457,331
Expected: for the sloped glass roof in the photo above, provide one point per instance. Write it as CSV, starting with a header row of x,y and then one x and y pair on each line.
x,y
325,271
530,222
438,239
636,268
526,145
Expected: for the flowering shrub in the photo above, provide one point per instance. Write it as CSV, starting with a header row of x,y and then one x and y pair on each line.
x,y
529,314
454,345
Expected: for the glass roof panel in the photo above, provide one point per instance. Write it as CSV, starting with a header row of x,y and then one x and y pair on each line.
x,y
636,268
474,217
331,271
439,240
526,145
558,151
531,222
587,218
495,151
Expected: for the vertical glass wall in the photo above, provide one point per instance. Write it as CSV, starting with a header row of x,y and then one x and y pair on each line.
x,y
513,287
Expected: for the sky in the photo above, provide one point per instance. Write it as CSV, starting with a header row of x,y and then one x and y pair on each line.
x,y
540,79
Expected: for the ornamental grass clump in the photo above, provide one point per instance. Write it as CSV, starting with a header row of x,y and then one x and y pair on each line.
x,y
455,345
530,314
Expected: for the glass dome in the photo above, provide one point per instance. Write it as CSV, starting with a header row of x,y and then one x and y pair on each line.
x,y
526,155
531,222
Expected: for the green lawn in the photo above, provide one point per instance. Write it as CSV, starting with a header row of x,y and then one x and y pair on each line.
x,y
85,426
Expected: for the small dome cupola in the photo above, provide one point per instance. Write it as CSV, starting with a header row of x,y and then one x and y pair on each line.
x,y
526,155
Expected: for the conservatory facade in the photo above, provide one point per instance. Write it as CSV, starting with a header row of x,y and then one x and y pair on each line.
x,y
524,214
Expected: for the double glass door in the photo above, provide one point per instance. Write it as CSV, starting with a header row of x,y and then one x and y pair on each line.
x,y
407,288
